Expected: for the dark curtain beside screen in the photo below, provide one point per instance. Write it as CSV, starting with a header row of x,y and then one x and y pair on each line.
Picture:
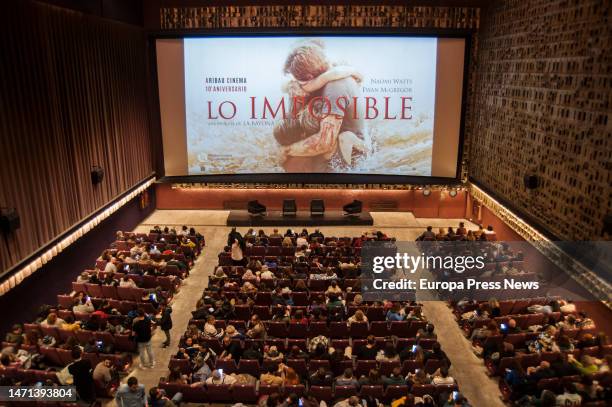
x,y
72,95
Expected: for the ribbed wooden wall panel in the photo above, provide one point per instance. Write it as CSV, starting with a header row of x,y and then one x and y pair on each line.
x,y
72,95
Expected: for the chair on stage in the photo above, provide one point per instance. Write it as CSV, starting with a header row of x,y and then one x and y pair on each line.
x,y
289,207
354,208
317,207
256,209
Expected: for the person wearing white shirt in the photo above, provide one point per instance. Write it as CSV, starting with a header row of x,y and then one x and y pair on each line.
x,y
443,377
110,267
86,306
127,282
218,377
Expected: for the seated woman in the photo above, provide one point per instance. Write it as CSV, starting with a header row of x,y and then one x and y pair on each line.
x,y
272,354
248,288
287,242
210,330
388,354
333,288
256,330
394,314
419,377
359,316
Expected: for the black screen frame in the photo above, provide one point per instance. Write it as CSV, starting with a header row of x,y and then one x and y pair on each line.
x,y
305,178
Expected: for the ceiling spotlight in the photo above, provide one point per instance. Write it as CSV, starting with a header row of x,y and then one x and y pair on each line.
x,y
453,193
427,191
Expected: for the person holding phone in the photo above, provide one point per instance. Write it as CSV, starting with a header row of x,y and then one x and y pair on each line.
x,y
456,399
83,305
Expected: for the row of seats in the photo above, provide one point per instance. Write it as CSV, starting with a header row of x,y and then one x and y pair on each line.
x,y
339,329
120,342
212,393
518,340
264,299
523,321
135,294
557,384
509,307
63,357
123,306
277,241
305,368
286,344
153,237
533,359
167,282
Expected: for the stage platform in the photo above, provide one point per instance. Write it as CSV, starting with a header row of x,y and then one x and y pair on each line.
x,y
303,218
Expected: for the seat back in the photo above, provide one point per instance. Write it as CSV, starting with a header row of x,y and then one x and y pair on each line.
x,y
315,364
276,329
65,356
94,290
379,328
395,392
219,392
338,330
50,355
317,207
322,393
420,390
289,207
363,367
344,392
377,392
228,366
358,330
183,365
299,365
249,366
297,330
386,367
65,301
243,393
298,389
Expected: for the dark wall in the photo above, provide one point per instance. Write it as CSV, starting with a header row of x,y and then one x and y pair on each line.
x,y
541,105
56,276
127,11
73,95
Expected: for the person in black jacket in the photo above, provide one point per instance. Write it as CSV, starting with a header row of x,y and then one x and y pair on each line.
x,y
142,329
81,372
234,234
165,323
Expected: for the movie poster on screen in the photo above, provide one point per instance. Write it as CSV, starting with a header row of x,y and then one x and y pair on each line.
x,y
256,104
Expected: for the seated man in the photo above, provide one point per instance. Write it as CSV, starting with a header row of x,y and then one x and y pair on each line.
x,y
321,378
347,379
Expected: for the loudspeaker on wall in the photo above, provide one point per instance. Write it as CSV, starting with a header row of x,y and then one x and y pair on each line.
x,y
97,175
531,181
9,220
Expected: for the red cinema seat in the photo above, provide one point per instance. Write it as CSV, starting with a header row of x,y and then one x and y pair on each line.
x,y
242,393
344,392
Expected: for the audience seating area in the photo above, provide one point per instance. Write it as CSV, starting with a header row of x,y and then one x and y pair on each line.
x,y
275,314
96,315
537,346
